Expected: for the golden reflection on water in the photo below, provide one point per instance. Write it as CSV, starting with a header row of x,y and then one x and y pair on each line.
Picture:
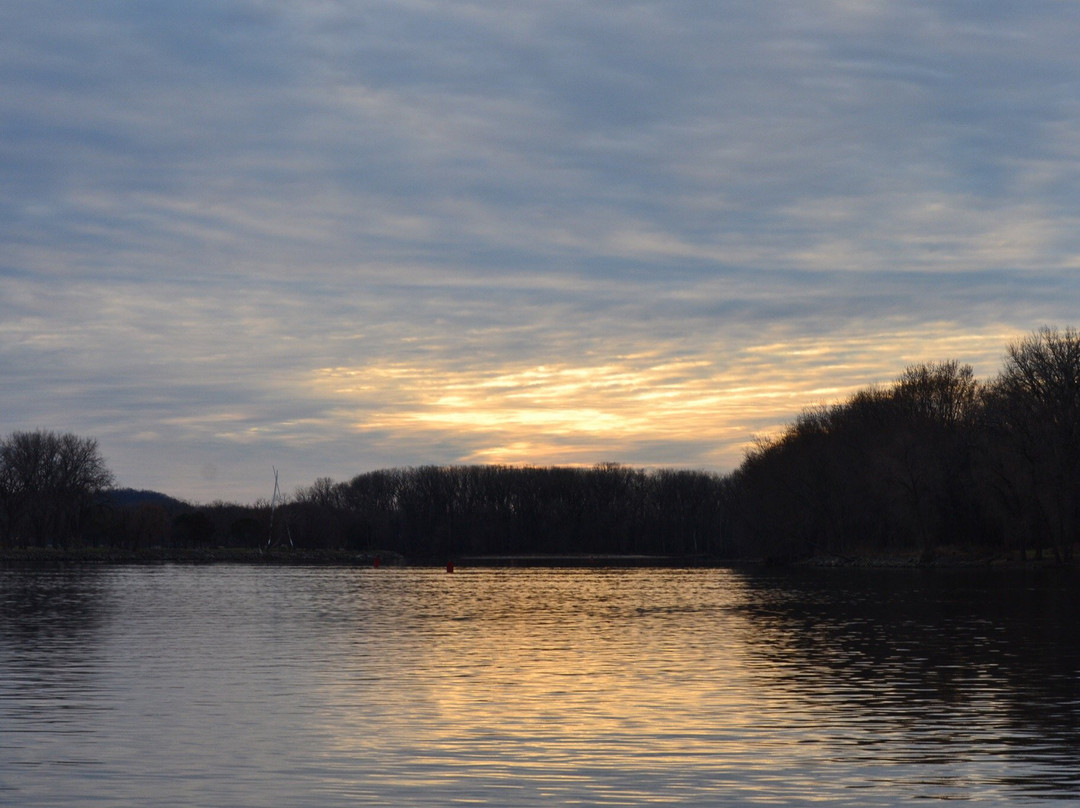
x,y
565,681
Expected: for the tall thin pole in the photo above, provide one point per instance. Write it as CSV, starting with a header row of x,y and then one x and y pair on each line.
x,y
273,505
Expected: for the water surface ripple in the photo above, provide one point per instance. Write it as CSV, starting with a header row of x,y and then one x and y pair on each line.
x,y
244,686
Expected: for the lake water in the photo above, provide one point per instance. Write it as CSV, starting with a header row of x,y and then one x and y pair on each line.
x,y
246,686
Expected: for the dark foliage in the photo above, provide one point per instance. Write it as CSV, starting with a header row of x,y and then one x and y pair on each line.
x,y
450,511
936,459
51,485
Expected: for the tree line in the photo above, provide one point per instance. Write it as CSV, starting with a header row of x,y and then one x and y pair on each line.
x,y
427,512
936,459
446,511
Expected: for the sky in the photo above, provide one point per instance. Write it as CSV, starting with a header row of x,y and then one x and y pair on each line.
x,y
328,237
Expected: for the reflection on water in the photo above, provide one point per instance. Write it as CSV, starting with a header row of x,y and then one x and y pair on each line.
x,y
969,678
245,686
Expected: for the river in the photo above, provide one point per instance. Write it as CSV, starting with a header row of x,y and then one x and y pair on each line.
x,y
249,686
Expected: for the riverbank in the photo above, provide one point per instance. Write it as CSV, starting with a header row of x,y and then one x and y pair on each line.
x,y
945,558
100,556
110,556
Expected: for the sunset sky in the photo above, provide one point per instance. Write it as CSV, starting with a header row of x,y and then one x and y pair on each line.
x,y
338,236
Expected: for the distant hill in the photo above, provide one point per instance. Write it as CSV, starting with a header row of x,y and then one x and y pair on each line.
x,y
133,498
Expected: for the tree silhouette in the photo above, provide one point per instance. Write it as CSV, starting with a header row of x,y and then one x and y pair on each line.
x,y
49,485
1036,419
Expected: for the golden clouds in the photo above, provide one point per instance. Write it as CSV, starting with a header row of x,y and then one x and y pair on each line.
x,y
582,412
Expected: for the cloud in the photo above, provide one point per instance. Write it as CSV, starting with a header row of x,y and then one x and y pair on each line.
x,y
207,213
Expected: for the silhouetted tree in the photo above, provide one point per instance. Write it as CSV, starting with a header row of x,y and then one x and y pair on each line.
x,y
194,529
150,527
247,531
49,485
1035,408
888,468
929,453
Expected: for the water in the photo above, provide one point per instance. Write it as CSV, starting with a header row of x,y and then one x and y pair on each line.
x,y
243,686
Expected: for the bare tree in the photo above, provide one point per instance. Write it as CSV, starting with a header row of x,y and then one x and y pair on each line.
x,y
927,460
49,484
1038,417
942,394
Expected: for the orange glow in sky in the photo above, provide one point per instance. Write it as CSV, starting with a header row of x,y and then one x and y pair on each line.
x,y
582,414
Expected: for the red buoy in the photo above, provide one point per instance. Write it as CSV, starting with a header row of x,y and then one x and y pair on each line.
x,y
449,566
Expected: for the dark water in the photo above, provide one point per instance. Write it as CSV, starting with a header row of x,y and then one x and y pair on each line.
x,y
241,686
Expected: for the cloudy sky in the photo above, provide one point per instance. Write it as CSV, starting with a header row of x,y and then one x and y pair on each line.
x,y
332,236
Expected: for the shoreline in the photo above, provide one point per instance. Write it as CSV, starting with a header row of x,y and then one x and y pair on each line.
x,y
52,558
946,558
107,556
102,556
